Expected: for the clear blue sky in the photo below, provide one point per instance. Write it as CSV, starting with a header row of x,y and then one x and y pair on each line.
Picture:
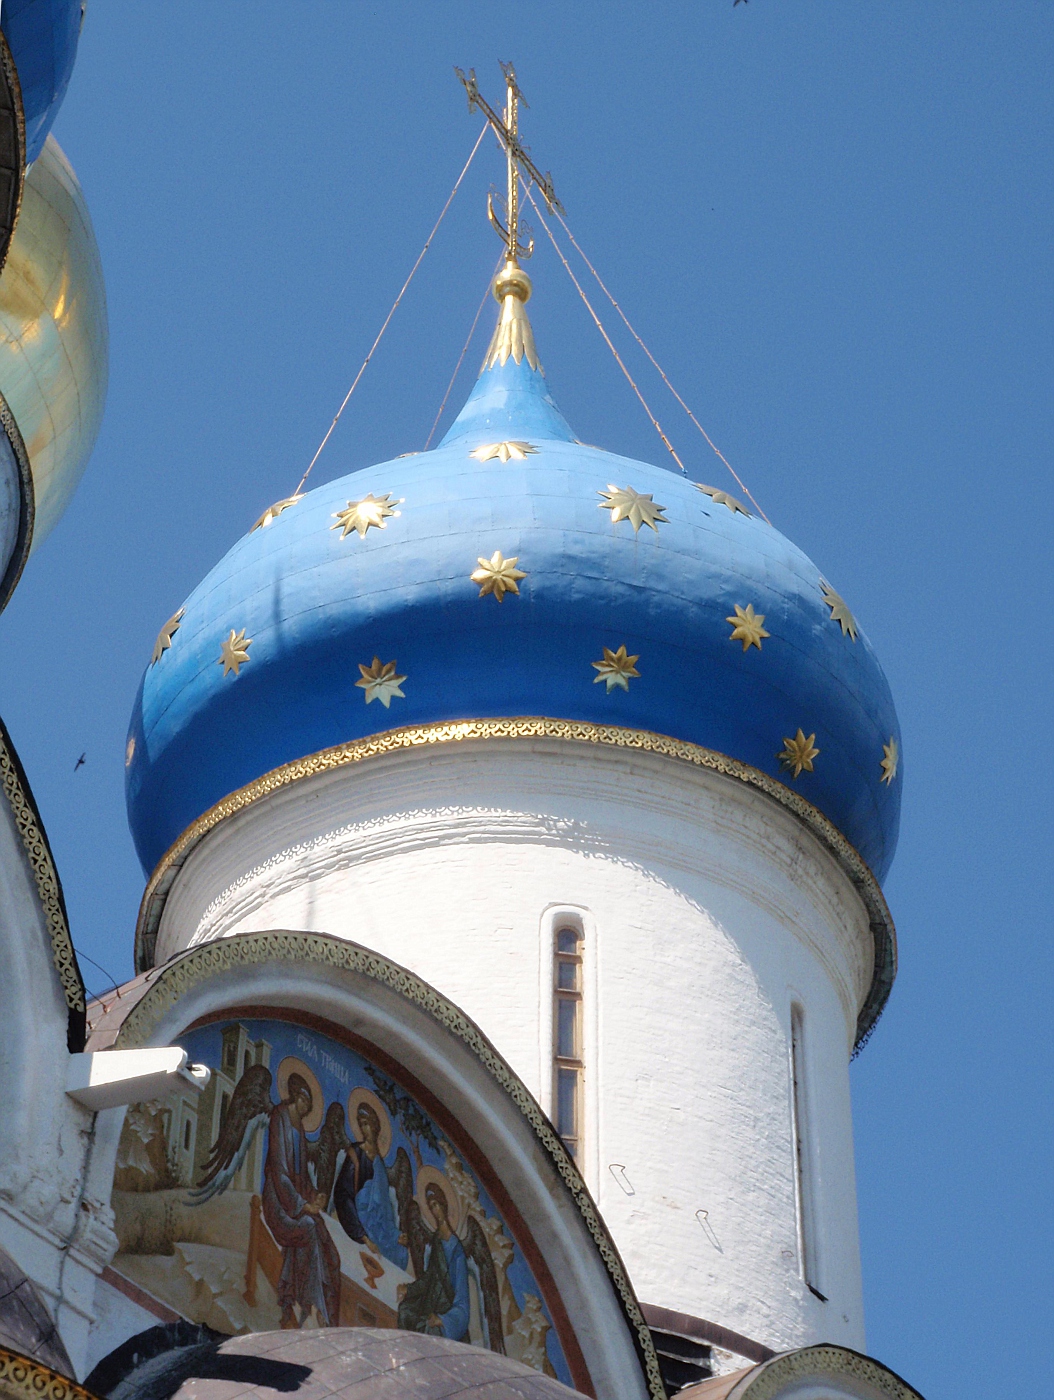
x,y
832,224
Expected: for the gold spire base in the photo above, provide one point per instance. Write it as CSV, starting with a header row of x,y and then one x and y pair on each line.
x,y
513,336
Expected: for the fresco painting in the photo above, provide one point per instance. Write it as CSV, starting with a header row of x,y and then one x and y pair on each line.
x,y
306,1188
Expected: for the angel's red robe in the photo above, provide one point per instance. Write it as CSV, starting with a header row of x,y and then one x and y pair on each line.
x,y
310,1263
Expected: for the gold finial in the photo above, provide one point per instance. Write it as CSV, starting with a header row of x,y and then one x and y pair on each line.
x,y
513,335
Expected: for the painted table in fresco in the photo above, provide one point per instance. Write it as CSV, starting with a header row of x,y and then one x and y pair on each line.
x,y
305,1187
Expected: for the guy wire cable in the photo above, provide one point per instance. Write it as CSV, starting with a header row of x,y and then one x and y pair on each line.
x,y
738,479
607,339
395,307
464,352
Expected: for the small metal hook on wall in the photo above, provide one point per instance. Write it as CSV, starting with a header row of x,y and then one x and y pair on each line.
x,y
618,1171
703,1217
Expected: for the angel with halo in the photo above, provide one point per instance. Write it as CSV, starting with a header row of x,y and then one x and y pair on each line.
x,y
292,1204
374,1195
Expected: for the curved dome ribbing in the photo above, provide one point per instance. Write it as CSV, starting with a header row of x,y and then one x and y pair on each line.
x,y
317,604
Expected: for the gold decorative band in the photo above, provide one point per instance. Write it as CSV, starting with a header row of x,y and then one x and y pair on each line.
x,y
538,727
209,960
35,844
23,1376
27,501
819,1363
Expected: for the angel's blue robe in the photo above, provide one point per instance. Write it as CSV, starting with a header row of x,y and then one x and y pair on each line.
x,y
362,1196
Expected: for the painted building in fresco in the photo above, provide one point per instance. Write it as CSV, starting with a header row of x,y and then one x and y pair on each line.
x,y
513,816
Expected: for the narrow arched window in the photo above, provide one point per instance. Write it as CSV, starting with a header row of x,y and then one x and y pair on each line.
x,y
568,1068
804,1158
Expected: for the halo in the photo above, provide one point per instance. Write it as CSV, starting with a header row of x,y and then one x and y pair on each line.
x,y
428,1175
384,1137
291,1065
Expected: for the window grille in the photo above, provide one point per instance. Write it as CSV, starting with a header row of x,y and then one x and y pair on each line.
x,y
568,1067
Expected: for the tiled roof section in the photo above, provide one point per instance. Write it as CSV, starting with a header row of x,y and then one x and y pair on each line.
x,y
341,1363
716,1389
685,1325
106,1016
26,1325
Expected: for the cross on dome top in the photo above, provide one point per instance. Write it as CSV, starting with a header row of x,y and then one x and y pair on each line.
x,y
513,336
507,129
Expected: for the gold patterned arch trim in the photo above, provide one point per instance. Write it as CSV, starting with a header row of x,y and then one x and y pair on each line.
x,y
774,1378
538,727
30,829
22,1376
241,951
27,503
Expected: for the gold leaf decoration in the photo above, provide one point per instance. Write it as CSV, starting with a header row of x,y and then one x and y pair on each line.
x,y
380,682
273,512
497,575
615,668
626,504
722,498
360,515
747,626
798,753
234,652
164,637
513,337
839,610
504,451
890,761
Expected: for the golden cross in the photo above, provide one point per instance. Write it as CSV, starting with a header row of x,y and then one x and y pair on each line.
x,y
507,129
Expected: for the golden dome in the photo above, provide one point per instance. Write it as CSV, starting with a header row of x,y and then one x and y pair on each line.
x,y
53,333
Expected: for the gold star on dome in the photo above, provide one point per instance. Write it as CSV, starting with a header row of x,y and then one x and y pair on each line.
x,y
748,626
380,682
129,751
360,515
839,609
517,451
626,504
273,512
798,753
164,637
615,669
722,498
234,652
497,575
890,759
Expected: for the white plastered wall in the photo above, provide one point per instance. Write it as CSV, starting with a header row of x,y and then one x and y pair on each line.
x,y
707,907
55,1217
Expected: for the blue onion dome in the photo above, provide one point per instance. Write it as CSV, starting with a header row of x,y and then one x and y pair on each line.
x,y
42,36
514,571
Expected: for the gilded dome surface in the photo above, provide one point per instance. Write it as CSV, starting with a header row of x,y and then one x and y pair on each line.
x,y
53,334
514,571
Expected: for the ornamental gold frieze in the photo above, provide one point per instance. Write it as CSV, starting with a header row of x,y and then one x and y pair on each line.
x,y
49,892
812,1365
241,952
531,728
23,541
25,1376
